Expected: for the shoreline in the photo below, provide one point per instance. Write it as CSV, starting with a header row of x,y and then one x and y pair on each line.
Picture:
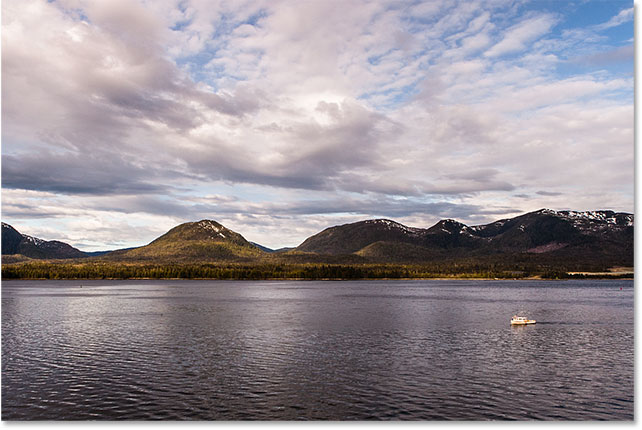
x,y
438,278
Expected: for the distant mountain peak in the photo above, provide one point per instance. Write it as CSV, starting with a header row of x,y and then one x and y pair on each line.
x,y
213,227
14,242
601,217
390,224
381,221
202,230
451,222
196,241
449,226
209,224
262,248
546,211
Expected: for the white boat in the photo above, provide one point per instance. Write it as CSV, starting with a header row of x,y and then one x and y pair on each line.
x,y
517,320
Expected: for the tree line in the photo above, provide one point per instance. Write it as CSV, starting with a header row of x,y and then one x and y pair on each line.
x,y
106,270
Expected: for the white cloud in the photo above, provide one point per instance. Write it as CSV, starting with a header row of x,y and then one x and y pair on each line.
x,y
625,15
518,36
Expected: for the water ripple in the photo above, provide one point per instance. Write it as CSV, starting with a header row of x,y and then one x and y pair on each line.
x,y
339,351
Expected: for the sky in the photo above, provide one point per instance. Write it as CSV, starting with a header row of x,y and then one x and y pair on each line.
x,y
278,119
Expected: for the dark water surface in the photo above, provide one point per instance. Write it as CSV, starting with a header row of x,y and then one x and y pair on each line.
x,y
417,350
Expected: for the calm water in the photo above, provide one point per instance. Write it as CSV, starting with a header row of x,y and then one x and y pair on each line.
x,y
416,350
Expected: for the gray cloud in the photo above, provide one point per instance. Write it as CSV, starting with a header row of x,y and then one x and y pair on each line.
x,y
31,211
245,100
622,54
364,207
307,154
71,174
548,193
455,186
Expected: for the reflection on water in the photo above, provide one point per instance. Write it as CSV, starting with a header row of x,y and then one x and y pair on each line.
x,y
415,350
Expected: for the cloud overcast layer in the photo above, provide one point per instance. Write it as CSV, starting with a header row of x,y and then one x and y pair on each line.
x,y
122,118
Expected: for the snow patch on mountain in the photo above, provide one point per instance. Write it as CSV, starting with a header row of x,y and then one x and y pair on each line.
x,y
208,225
393,225
591,215
212,227
34,240
593,221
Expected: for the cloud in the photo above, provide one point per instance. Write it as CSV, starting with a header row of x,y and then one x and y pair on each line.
x,y
622,54
287,110
518,36
548,193
624,16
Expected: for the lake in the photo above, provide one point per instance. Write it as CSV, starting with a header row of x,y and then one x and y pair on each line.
x,y
317,350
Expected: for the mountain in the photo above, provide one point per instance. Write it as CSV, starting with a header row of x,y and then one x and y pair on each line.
x,y
99,253
13,242
596,236
11,239
350,238
205,240
563,232
284,249
263,248
535,242
270,250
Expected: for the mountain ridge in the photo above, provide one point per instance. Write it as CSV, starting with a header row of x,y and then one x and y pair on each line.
x,y
596,238
16,243
550,225
594,234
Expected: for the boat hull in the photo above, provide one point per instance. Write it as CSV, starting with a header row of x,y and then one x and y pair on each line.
x,y
522,322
